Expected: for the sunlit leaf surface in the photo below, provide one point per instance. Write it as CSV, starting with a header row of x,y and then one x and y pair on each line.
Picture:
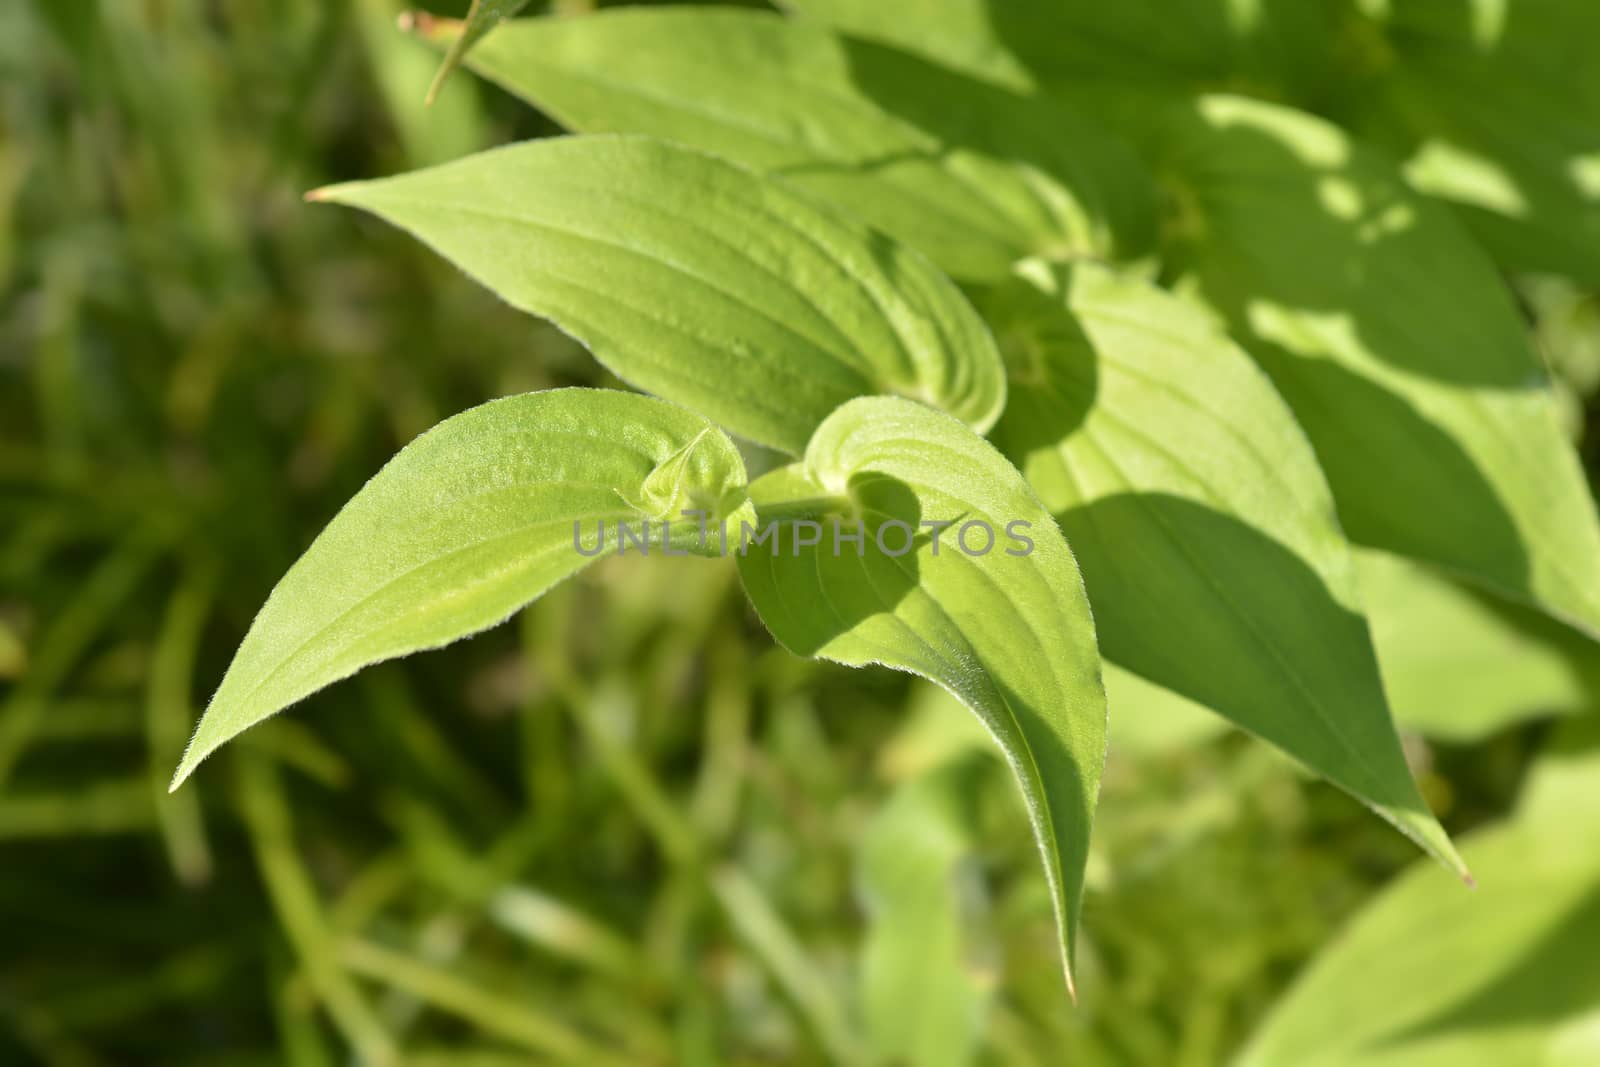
x,y
465,525
1009,634
1204,529
975,185
700,281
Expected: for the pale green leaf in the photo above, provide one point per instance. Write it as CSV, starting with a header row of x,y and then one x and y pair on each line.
x,y
1563,787
936,729
1150,720
1202,524
700,281
1430,976
464,526
1010,635
924,968
1398,348
974,176
1460,664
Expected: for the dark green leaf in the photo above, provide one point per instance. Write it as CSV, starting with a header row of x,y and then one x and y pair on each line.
x,y
1204,529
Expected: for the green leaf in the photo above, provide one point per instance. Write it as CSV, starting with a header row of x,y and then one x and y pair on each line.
x,y
974,176
1488,105
1391,337
975,36
1460,665
1010,635
700,281
482,16
1268,47
1494,106
1203,527
1429,976
923,991
1563,787
1037,43
464,526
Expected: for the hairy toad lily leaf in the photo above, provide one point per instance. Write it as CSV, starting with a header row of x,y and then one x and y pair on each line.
x,y
700,281
975,187
1399,350
943,588
465,525
1194,506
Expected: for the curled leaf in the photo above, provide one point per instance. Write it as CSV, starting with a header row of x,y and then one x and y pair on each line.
x,y
1005,628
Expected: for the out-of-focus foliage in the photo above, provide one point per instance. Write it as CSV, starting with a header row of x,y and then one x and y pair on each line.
x,y
627,829
1429,975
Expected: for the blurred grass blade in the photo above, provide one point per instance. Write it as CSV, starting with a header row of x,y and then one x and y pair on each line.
x,y
69,635
765,932
871,129
169,712
294,899
513,1020
924,988
468,523
1194,506
714,287
543,920
106,807
1008,631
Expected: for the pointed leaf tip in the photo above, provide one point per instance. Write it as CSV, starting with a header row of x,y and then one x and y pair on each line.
x,y
878,469
466,525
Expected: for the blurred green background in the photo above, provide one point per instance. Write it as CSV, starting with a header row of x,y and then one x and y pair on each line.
x,y
624,829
